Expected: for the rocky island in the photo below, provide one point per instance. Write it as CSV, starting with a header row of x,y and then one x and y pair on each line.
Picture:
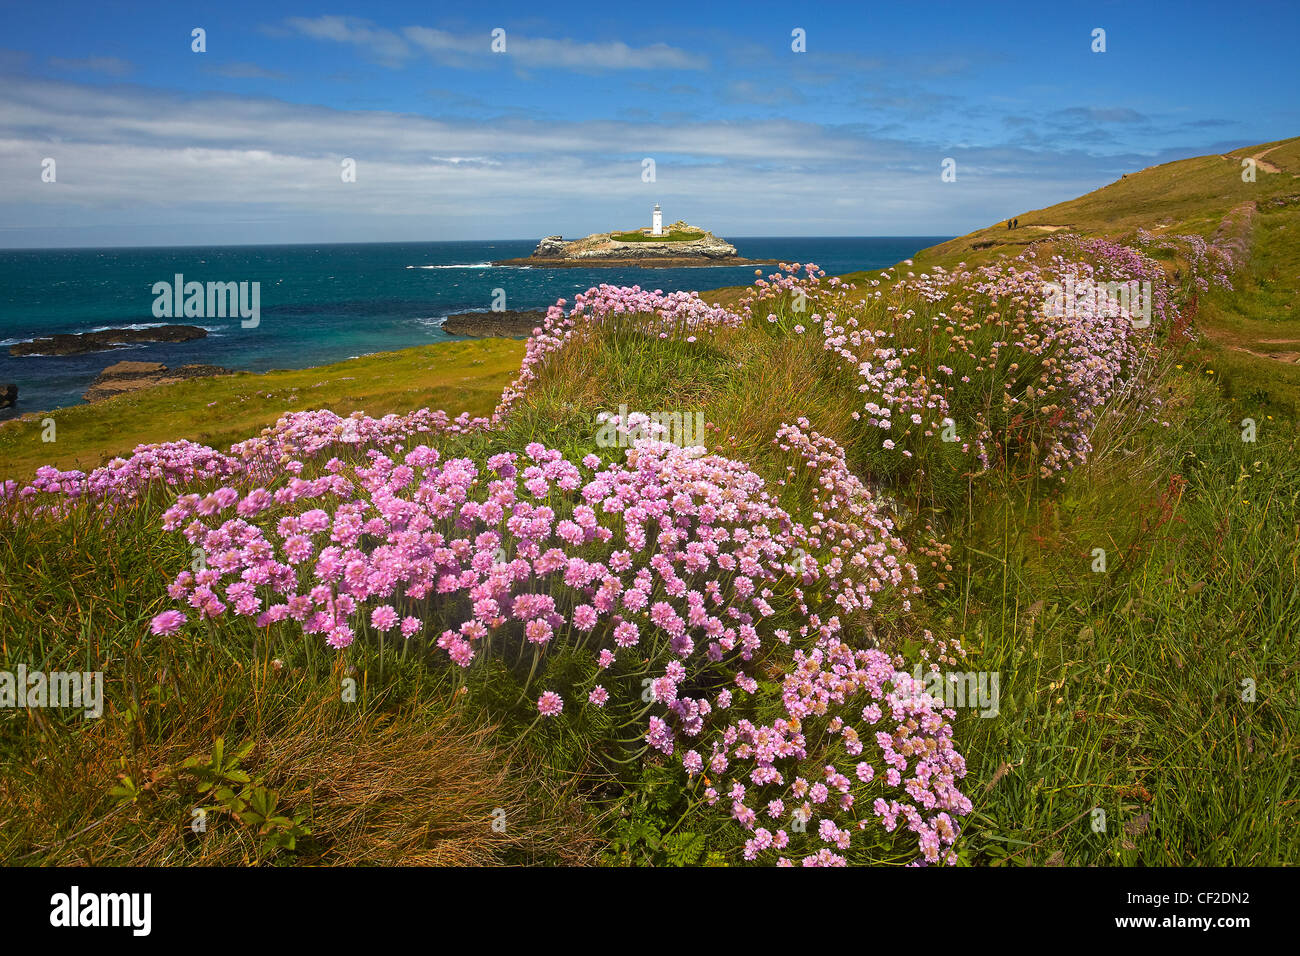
x,y
680,245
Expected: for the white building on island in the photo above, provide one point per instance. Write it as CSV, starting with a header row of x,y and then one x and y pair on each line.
x,y
657,222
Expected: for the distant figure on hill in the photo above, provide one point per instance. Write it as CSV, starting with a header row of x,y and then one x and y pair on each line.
x,y
1015,223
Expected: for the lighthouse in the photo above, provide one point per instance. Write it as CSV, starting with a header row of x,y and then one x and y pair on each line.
x,y
657,222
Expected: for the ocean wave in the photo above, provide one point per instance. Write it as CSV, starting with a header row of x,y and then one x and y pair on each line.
x,y
431,321
100,328
112,347
461,265
134,327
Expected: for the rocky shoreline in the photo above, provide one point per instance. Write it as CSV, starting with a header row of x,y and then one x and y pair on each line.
x,y
78,343
132,376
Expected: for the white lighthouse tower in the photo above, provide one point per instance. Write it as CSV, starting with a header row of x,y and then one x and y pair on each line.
x,y
657,222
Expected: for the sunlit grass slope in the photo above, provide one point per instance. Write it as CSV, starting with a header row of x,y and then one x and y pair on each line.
x,y
1250,335
455,376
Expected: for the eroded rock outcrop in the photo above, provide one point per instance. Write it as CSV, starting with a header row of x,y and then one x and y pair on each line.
x,y
132,376
505,325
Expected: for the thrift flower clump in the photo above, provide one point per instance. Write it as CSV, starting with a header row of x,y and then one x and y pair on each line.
x,y
672,570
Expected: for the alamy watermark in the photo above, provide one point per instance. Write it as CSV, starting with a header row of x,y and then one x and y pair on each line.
x,y
213,300
623,429
74,908
1078,297
977,689
36,688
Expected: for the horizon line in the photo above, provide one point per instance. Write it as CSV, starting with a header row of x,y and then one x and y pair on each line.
x,y
408,242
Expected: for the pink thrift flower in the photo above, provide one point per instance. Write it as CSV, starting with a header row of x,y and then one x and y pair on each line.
x,y
168,622
383,618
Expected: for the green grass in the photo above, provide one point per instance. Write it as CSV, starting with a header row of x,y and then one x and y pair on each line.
x,y
1124,690
1185,196
678,236
1251,335
402,773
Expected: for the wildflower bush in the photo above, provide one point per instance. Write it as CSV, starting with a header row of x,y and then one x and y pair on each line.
x,y
676,572
753,633
965,370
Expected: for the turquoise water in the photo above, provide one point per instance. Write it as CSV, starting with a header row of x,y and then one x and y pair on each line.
x,y
322,304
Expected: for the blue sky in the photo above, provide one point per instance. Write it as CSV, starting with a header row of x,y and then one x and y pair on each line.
x,y
155,144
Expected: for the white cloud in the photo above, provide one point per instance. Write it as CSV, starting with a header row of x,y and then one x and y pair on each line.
x,y
128,155
464,50
384,45
245,71
110,65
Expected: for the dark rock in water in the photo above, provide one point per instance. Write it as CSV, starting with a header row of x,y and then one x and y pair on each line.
x,y
76,343
503,325
8,396
131,376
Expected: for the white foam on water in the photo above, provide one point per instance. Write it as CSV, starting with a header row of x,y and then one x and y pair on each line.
x,y
462,265
134,327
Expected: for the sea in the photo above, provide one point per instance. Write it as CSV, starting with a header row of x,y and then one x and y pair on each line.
x,y
324,303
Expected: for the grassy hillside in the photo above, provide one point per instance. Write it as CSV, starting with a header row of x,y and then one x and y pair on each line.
x,y
1251,334
1189,195
1089,522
